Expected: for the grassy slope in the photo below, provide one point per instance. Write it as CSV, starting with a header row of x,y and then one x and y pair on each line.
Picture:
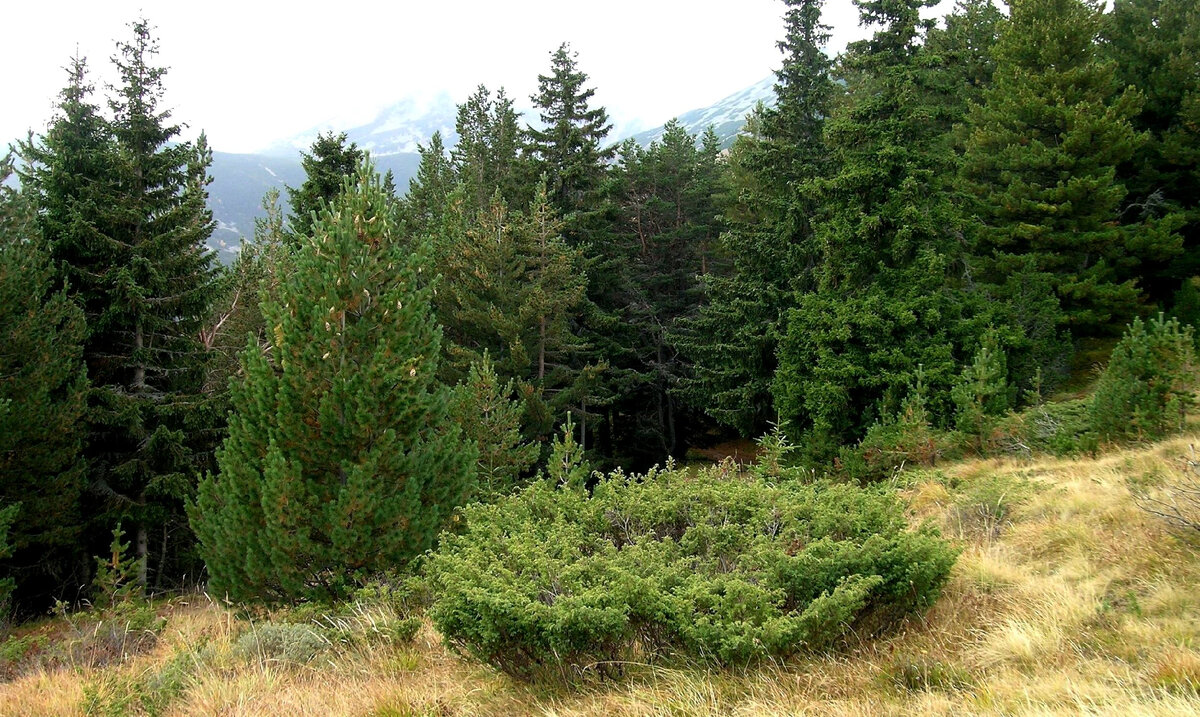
x,y
1067,599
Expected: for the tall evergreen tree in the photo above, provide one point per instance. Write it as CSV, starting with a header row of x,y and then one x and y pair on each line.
x,y
1041,162
1156,47
966,45
732,341
154,429
124,213
486,156
424,209
511,287
889,251
326,165
341,459
43,388
568,149
667,225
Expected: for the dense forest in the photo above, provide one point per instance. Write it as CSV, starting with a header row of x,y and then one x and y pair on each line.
x,y
901,260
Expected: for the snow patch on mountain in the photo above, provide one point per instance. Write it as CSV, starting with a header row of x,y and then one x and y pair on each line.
x,y
727,116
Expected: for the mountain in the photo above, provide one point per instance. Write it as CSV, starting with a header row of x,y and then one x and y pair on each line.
x,y
726,116
392,137
241,180
397,129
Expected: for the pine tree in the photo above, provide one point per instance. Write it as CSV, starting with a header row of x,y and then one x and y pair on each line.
x,y
511,287
966,45
326,165
341,460
1156,47
1041,164
732,342
424,209
667,224
43,388
883,301
490,416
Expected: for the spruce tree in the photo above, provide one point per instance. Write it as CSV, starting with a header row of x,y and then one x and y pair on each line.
x,y
568,149
888,259
124,212
342,459
43,388
326,165
1041,163
732,342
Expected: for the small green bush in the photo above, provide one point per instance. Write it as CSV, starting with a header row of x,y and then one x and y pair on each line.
x,y
1149,382
715,567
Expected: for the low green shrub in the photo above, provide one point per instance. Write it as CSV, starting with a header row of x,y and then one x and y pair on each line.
x,y
712,567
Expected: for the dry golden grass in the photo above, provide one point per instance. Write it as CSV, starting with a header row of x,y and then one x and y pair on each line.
x,y
1067,599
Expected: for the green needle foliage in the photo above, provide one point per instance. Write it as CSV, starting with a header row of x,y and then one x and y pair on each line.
x,y
887,292
342,460
43,386
1041,163
490,416
1149,384
709,567
327,164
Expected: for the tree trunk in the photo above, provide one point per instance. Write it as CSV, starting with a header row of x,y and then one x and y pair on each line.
x,y
143,555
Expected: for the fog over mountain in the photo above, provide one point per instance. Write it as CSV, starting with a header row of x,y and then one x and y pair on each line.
x,y
241,180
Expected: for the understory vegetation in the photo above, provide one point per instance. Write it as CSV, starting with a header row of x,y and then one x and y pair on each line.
x,y
1067,597
458,449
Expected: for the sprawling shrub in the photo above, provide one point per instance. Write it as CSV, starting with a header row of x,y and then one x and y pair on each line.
x,y
1149,382
715,567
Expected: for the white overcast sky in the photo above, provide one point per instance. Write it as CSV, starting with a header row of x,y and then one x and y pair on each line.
x,y
249,73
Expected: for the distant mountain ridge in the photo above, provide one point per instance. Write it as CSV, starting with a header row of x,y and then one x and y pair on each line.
x,y
727,116
392,138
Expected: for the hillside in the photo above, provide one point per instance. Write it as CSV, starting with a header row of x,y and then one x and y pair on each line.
x,y
1067,598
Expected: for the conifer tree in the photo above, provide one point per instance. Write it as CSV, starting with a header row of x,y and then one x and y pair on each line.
x,y
342,459
486,156
667,225
883,301
511,287
1156,47
732,341
966,46
425,207
68,174
43,388
490,416
1041,163
132,247
326,165
568,149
